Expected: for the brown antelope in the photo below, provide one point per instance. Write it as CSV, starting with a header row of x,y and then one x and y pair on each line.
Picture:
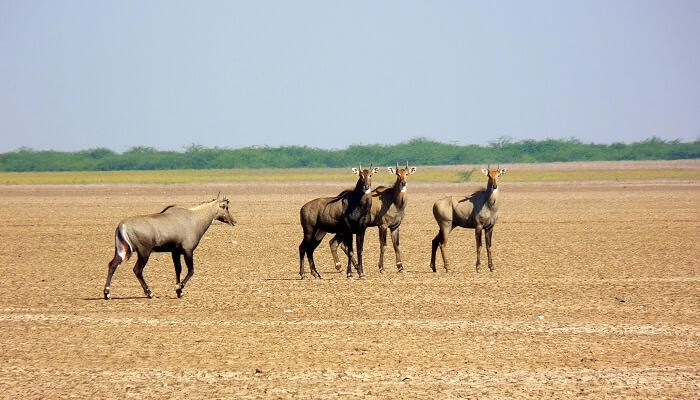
x,y
346,213
478,211
175,229
388,205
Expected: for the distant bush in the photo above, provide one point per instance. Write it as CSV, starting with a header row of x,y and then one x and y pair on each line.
x,y
417,152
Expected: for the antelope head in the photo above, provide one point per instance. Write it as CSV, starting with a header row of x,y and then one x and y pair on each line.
x,y
365,177
401,175
494,176
222,212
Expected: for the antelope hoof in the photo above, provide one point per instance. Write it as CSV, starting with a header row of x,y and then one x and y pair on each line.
x,y
399,267
149,294
107,295
381,269
349,275
491,267
478,268
338,267
178,292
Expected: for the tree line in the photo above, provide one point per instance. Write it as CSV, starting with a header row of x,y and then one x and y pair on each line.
x,y
416,151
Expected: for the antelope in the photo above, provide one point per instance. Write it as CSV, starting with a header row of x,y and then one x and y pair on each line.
x,y
175,229
388,205
347,213
478,211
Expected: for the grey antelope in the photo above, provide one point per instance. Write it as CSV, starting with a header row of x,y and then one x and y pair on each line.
x,y
175,229
478,211
347,213
388,206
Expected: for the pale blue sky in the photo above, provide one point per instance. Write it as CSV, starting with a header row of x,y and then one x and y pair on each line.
x,y
76,75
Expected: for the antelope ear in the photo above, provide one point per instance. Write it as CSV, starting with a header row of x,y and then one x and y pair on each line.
x,y
485,171
392,170
375,170
502,171
356,171
412,170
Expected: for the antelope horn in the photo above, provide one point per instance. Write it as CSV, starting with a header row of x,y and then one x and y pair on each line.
x,y
397,165
406,165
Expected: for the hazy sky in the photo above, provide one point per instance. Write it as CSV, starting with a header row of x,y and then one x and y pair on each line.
x,y
76,75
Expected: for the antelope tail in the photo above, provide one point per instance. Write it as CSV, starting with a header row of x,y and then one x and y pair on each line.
x,y
122,245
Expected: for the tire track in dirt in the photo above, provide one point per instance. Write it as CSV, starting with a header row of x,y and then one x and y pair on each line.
x,y
427,324
487,383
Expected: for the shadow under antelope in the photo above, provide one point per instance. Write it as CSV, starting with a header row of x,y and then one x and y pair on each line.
x,y
478,211
175,229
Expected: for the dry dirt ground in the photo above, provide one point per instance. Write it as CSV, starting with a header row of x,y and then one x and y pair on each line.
x,y
596,294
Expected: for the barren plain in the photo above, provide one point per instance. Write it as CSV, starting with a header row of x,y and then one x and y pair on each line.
x,y
596,294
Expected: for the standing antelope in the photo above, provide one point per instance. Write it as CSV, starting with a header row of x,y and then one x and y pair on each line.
x,y
479,211
346,213
388,205
175,229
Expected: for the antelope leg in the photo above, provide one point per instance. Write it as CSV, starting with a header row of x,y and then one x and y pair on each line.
x,y
382,246
397,250
360,238
138,271
488,234
477,236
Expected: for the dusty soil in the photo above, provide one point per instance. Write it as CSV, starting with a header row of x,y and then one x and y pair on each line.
x,y
596,294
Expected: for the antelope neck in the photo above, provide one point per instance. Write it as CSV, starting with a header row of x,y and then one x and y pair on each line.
x,y
399,193
208,214
359,187
493,196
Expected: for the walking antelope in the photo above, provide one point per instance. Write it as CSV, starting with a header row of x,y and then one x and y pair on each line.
x,y
347,213
175,229
478,211
387,212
